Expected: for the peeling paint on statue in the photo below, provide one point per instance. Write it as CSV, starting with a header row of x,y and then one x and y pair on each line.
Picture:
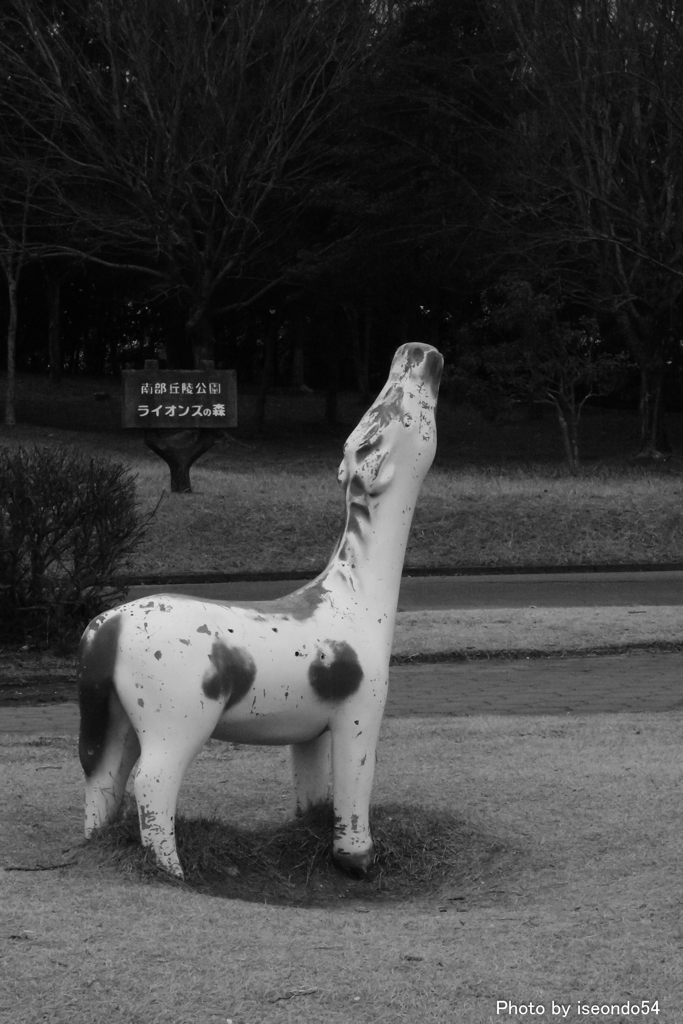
x,y
310,669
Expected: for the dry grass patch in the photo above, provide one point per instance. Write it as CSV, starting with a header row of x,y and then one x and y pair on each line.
x,y
270,520
242,522
591,911
540,516
262,507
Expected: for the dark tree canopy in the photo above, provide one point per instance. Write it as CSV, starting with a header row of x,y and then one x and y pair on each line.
x,y
185,137
598,156
280,177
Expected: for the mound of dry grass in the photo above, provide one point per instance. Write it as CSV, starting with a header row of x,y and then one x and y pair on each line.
x,y
420,854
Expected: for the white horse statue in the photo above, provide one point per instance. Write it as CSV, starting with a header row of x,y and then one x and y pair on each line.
x,y
160,676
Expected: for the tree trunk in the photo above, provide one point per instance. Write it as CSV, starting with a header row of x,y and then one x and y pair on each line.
x,y
266,373
654,444
335,327
403,328
200,333
435,319
10,391
299,332
54,336
643,336
114,365
332,393
368,324
569,426
298,376
359,352
180,449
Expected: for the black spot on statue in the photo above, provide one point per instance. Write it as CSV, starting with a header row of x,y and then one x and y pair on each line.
x,y
368,447
340,677
415,356
95,680
233,675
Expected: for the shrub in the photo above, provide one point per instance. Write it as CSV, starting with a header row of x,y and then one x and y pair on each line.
x,y
67,524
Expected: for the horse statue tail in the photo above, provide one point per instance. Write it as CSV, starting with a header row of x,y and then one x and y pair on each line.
x,y
108,745
95,679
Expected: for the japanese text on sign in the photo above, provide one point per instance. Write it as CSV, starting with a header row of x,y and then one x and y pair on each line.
x,y
218,409
179,399
177,388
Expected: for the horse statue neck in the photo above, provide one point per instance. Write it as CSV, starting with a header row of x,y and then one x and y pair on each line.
x,y
386,459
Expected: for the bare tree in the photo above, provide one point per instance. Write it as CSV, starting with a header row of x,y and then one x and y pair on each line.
x,y
186,137
599,143
23,222
523,349
13,257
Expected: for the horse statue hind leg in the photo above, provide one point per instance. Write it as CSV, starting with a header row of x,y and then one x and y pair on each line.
x,y
160,676
108,744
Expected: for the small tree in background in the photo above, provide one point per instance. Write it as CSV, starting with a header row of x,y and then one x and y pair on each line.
x,y
595,166
13,256
67,525
522,349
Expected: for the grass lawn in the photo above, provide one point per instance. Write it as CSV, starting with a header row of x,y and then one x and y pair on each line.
x,y
565,884
270,519
498,495
580,899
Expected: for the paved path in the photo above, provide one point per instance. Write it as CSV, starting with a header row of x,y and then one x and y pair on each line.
x,y
523,590
546,686
552,686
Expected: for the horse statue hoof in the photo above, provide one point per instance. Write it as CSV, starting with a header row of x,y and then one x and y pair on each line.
x,y
360,866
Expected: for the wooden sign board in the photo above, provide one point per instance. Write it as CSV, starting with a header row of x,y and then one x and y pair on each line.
x,y
179,399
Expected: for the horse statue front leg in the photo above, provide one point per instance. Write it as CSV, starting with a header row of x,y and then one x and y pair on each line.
x,y
355,734
338,767
312,772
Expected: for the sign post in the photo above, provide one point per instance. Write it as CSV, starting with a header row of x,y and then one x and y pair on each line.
x,y
179,412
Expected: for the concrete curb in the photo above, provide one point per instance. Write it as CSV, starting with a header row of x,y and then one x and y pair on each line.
x,y
174,579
